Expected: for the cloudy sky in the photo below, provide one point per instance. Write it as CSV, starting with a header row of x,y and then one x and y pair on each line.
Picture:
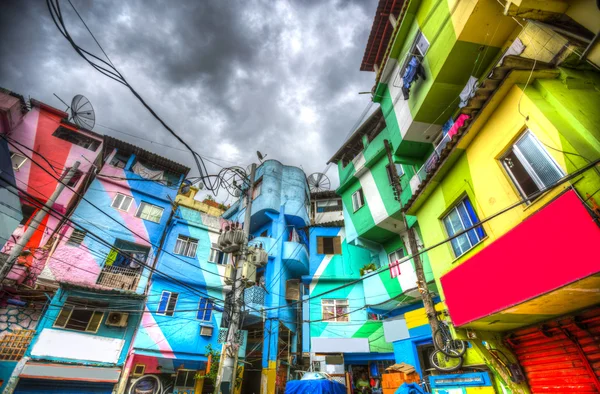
x,y
231,77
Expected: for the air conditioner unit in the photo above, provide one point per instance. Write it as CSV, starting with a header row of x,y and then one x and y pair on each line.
x,y
206,331
117,319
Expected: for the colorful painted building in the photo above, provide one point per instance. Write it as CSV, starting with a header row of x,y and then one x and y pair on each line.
x,y
374,185
493,103
280,212
184,309
101,264
41,146
340,334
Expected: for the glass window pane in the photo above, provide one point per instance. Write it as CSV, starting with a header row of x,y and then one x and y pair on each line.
x,y
466,219
172,303
328,312
95,321
164,299
117,201
539,160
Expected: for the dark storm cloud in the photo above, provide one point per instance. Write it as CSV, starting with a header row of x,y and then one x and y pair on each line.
x,y
230,77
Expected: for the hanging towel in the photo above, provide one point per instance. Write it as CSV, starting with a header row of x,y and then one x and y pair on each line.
x,y
468,91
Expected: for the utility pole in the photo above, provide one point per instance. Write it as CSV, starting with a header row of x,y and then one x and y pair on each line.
x,y
230,350
35,223
426,297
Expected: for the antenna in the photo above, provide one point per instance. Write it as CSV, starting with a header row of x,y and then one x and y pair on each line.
x,y
318,182
82,112
261,157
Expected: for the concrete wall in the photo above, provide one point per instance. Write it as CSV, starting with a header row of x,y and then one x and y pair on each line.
x,y
82,264
178,336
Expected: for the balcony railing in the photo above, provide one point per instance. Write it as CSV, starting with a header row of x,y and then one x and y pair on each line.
x,y
429,165
119,277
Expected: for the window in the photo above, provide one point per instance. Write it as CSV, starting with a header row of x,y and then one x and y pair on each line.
x,y
167,303
149,212
75,178
80,315
205,308
396,255
28,212
421,44
186,246
119,160
122,202
17,160
185,378
257,189
375,317
329,245
329,206
358,200
76,138
393,259
461,217
14,344
530,166
217,256
335,310
76,238
399,170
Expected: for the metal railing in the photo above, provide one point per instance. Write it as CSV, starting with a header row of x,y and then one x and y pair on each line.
x,y
119,277
429,165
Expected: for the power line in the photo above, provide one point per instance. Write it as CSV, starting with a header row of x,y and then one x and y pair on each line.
x,y
102,241
458,234
109,216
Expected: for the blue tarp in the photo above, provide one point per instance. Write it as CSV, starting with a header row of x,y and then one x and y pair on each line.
x,y
318,386
410,388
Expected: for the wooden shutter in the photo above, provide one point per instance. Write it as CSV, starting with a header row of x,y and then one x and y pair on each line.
x,y
320,245
337,245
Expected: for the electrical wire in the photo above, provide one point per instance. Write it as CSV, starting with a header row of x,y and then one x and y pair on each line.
x,y
212,183
458,234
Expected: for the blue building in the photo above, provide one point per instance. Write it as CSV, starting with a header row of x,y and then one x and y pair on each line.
x,y
99,267
280,204
185,309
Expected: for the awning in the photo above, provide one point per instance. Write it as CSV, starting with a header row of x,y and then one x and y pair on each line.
x,y
70,372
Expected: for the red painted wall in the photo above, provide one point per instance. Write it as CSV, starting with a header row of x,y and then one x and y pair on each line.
x,y
552,248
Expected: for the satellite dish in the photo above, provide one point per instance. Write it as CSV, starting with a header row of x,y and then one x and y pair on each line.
x,y
82,112
318,182
261,157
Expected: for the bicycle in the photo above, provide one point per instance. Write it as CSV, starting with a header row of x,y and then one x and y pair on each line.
x,y
443,341
444,362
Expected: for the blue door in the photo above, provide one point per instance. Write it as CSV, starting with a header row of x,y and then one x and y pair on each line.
x,y
38,386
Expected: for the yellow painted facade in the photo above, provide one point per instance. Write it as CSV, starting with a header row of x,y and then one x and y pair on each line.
x,y
188,200
269,378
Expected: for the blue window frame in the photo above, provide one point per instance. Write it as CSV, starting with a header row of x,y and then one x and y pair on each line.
x,y
168,301
205,308
461,217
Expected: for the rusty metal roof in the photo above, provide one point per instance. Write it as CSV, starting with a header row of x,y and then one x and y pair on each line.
x,y
381,32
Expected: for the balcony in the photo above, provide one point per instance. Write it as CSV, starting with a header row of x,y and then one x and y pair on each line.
x,y
295,257
119,277
522,279
384,293
254,301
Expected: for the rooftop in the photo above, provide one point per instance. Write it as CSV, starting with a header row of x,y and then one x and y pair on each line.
x,y
169,165
353,145
381,32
